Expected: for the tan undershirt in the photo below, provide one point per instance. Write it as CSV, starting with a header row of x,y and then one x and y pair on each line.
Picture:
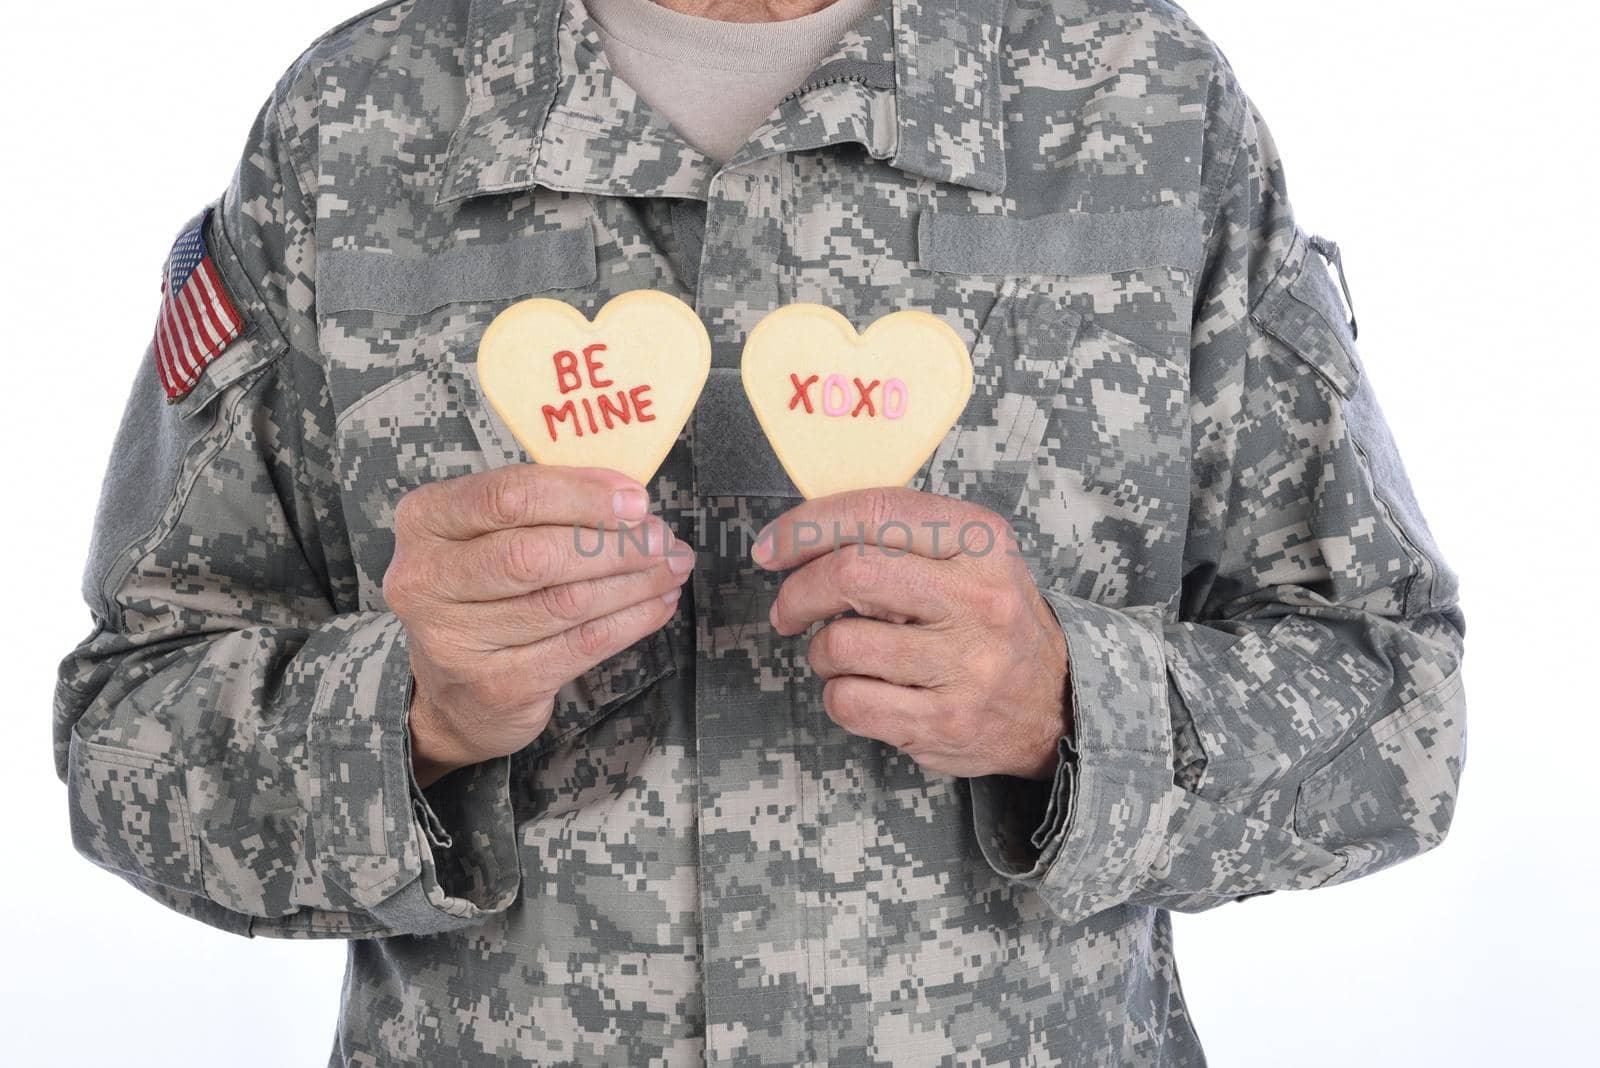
x,y
715,81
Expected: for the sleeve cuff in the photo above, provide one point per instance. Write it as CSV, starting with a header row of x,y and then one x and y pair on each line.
x,y
418,861
1089,841
467,834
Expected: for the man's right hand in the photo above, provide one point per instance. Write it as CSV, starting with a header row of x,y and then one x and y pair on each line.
x,y
508,591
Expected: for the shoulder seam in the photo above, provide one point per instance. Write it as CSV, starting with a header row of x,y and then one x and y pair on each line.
x,y
353,19
303,176
1232,123
305,171
306,53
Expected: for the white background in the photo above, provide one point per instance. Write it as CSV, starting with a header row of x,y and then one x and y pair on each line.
x,y
1450,149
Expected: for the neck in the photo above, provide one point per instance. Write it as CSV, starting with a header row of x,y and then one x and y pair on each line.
x,y
746,10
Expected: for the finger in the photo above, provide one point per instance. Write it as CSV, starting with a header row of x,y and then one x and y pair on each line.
x,y
925,524
573,652
522,495
872,708
867,580
509,563
902,654
515,621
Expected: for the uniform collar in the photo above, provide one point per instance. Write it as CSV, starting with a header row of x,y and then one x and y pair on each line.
x,y
916,81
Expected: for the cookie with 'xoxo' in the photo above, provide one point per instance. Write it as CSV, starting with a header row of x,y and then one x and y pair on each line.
x,y
847,411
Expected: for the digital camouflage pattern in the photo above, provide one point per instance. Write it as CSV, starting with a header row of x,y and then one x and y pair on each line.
x,y
693,863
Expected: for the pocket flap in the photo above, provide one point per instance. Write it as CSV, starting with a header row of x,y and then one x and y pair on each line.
x,y
1021,352
592,696
260,342
1061,243
364,280
1303,309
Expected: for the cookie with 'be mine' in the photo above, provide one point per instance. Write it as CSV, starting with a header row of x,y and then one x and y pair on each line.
x,y
613,393
848,411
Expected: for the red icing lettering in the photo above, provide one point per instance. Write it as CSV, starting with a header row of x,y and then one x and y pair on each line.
x,y
615,409
605,409
594,366
865,393
802,392
553,415
567,368
641,403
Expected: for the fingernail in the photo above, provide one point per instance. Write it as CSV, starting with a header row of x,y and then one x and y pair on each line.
x,y
630,504
671,596
762,551
655,539
772,615
680,558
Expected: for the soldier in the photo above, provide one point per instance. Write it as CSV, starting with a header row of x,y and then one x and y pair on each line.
x,y
350,678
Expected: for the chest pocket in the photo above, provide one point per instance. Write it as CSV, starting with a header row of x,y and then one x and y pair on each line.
x,y
401,338
1080,437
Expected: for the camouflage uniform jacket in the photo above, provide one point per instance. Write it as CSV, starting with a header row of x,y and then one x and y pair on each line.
x,y
693,863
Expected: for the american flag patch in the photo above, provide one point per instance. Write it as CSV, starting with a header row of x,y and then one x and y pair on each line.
x,y
198,321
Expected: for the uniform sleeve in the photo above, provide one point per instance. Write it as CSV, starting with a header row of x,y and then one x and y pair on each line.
x,y
233,733
1298,721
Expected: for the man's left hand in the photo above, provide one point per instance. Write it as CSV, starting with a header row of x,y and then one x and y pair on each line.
x,y
952,656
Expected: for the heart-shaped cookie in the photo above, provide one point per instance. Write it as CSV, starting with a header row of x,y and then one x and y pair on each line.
x,y
849,411
610,393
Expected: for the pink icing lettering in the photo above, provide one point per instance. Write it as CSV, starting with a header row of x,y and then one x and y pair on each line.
x,y
896,396
835,386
